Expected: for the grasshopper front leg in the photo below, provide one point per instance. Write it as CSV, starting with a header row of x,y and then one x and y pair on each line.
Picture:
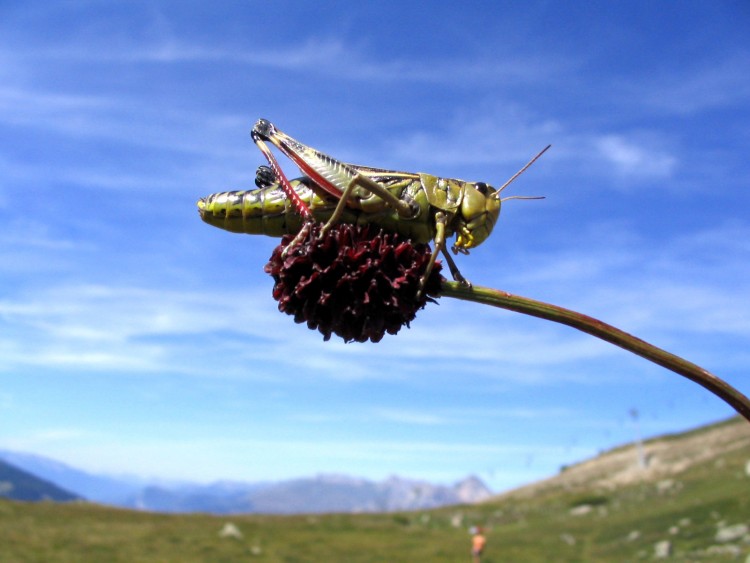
x,y
404,210
455,273
441,220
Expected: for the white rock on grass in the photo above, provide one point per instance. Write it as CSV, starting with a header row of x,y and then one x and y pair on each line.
x,y
663,549
731,533
581,510
229,530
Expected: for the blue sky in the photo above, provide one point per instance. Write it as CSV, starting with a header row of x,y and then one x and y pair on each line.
x,y
136,339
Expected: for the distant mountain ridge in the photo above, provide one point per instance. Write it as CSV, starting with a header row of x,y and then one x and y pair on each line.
x,y
324,493
17,484
97,488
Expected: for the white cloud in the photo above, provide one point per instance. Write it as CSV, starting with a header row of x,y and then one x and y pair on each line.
x,y
634,159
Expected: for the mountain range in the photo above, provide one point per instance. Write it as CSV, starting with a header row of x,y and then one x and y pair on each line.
x,y
18,484
320,494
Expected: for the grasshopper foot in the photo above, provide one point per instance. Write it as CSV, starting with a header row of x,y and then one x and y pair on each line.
x,y
324,229
265,176
297,239
462,280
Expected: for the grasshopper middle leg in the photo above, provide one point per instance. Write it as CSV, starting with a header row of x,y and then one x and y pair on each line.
x,y
359,180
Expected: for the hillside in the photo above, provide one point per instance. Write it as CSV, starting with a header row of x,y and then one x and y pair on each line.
x,y
17,484
692,503
97,488
663,458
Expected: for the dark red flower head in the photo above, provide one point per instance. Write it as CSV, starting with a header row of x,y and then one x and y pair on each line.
x,y
358,282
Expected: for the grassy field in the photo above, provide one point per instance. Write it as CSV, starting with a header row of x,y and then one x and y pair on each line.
x,y
619,524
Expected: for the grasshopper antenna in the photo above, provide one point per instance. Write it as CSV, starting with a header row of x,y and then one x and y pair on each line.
x,y
517,174
522,197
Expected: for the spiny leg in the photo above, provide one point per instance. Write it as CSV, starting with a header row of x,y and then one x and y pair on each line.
x,y
299,205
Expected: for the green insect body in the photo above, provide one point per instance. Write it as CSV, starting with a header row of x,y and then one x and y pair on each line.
x,y
268,211
421,206
264,211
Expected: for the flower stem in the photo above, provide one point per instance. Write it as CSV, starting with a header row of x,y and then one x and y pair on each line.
x,y
602,330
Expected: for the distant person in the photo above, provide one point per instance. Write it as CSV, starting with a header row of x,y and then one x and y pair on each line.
x,y
478,542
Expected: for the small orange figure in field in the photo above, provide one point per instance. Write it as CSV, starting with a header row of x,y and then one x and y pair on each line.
x,y
478,542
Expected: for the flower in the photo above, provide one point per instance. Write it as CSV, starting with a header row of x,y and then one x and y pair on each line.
x,y
358,282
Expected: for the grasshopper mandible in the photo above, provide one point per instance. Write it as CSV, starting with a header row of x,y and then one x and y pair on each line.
x,y
421,206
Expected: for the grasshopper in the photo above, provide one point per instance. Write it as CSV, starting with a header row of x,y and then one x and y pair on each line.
x,y
421,206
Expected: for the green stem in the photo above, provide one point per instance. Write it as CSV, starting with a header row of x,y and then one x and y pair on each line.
x,y
602,330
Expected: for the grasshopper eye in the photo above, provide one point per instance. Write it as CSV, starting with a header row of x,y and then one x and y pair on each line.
x,y
481,188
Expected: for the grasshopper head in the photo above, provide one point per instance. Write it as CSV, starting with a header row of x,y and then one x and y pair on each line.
x,y
480,208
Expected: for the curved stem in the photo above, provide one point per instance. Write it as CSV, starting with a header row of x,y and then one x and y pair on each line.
x,y
602,330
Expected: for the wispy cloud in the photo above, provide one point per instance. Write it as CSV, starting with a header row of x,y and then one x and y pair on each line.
x,y
144,328
705,85
634,159
6,401
237,458
350,60
410,417
465,417
119,328
115,117
510,135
